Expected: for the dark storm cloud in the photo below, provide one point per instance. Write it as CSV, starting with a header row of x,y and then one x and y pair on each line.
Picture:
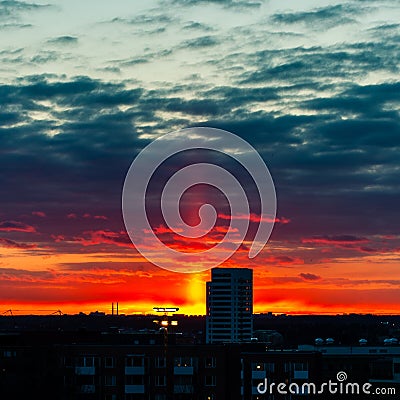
x,y
95,144
9,118
331,144
320,64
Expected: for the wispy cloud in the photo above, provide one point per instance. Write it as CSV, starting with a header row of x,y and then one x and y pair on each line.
x,y
63,40
16,226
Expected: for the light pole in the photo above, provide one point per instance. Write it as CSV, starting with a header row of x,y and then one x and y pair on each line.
x,y
164,324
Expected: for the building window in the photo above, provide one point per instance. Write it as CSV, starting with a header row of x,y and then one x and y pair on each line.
x,y
160,380
183,362
110,397
300,366
109,362
210,380
134,361
183,380
210,362
87,361
85,380
110,380
134,396
160,362
134,380
68,362
270,367
160,396
9,353
288,367
257,366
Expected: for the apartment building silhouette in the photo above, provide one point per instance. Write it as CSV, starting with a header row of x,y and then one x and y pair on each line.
x,y
229,302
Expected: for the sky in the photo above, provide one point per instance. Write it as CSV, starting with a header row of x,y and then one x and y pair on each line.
x,y
313,86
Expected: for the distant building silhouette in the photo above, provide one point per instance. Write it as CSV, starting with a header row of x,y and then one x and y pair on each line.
x,y
124,364
229,302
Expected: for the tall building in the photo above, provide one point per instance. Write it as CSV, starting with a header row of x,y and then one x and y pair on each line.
x,y
229,300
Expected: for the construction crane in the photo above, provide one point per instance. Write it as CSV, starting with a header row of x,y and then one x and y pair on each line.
x,y
59,312
52,312
10,313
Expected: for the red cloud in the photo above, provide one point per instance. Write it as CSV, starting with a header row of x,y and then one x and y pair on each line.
x,y
162,229
309,277
15,226
58,238
91,238
339,240
40,214
189,245
14,245
283,260
100,217
256,218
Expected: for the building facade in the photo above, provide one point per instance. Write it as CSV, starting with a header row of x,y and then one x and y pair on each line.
x,y
229,302
152,366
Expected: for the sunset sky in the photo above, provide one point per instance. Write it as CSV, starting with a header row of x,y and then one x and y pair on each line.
x,y
313,86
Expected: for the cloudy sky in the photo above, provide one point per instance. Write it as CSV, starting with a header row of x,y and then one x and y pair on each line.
x,y
313,86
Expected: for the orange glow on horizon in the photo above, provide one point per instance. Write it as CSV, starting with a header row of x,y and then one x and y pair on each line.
x,y
33,283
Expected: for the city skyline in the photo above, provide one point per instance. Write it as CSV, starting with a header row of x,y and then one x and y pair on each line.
x,y
312,87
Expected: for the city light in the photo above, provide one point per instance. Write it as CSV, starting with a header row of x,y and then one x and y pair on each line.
x,y
166,309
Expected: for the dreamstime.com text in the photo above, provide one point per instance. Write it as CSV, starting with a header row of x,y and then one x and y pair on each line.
x,y
330,387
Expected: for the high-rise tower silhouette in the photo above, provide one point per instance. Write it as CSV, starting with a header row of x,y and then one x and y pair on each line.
x,y
229,301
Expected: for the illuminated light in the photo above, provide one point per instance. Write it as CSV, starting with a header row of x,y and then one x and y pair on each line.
x,y
166,309
174,323
164,323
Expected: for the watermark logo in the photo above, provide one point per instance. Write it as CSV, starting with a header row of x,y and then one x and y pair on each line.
x,y
341,376
340,386
143,173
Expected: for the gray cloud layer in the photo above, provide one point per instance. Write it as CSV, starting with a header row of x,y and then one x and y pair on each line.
x,y
330,137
